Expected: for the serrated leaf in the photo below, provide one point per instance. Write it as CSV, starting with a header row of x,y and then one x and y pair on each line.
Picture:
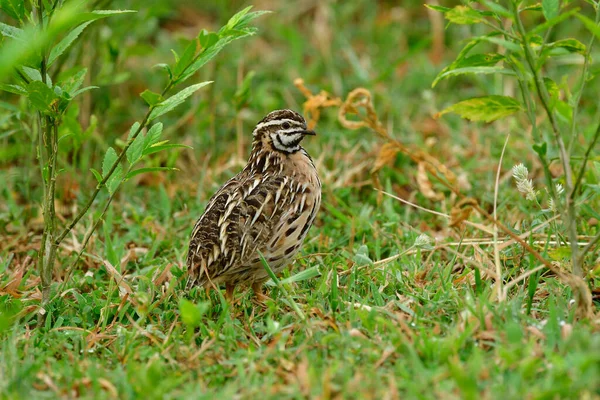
x,y
74,81
32,73
115,179
10,31
97,175
474,71
14,8
487,109
134,152
152,98
156,148
138,171
175,100
109,159
66,42
153,135
41,96
134,128
550,8
463,15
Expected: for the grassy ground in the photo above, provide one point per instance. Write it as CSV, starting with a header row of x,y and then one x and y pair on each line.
x,y
386,316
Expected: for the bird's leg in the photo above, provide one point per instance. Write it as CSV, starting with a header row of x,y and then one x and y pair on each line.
x,y
229,288
258,293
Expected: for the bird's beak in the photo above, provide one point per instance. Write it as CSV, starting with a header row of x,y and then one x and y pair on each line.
x,y
309,132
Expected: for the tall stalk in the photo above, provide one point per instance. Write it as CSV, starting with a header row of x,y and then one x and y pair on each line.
x,y
48,133
542,92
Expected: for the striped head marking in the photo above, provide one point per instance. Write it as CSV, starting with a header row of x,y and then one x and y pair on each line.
x,y
282,130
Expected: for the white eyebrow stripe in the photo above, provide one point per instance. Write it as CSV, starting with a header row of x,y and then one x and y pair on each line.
x,y
275,122
290,130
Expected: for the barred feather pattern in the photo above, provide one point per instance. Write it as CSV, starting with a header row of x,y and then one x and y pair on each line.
x,y
268,207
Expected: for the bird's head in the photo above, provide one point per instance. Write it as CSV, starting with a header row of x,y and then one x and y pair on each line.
x,y
281,130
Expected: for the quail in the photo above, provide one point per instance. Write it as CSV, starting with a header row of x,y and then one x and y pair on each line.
x,y
267,209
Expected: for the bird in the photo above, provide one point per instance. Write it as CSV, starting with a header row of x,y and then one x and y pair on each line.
x,y
266,209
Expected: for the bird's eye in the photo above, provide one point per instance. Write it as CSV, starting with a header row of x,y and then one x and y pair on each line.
x,y
285,125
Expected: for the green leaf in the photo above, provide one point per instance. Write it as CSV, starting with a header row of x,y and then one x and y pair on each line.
x,y
10,31
132,131
564,111
186,59
236,28
541,149
41,96
487,109
109,159
85,89
153,135
497,9
550,8
571,45
155,148
96,174
463,15
474,71
71,83
16,89
14,8
191,314
134,152
508,45
553,21
590,25
166,67
66,42
152,98
99,14
135,172
175,100
115,179
438,8
304,275
207,39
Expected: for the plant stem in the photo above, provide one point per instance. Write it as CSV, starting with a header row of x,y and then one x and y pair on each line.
x,y
101,184
571,214
49,140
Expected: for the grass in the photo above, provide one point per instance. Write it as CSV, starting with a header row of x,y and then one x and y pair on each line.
x,y
424,324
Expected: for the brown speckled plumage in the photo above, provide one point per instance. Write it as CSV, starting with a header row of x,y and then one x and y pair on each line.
x,y
268,207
